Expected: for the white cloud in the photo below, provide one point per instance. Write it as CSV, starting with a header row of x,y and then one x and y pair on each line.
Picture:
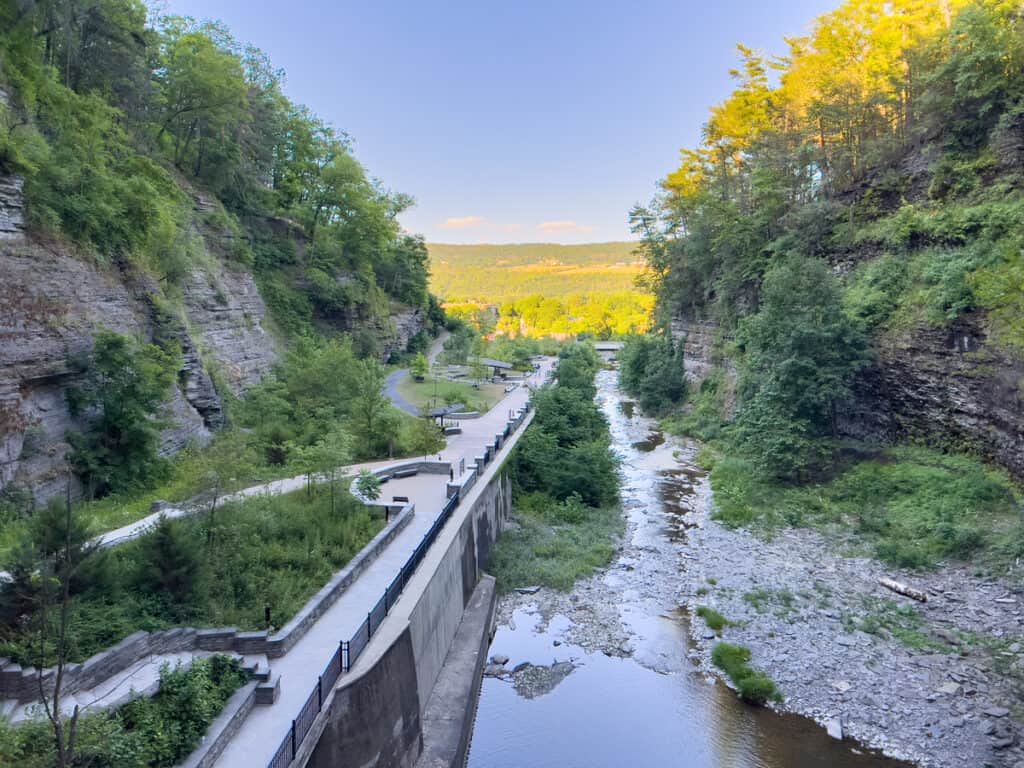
x,y
463,222
564,227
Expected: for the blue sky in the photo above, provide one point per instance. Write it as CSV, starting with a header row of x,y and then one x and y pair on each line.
x,y
514,121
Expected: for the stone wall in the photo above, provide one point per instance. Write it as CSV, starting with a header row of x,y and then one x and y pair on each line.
x,y
375,713
22,684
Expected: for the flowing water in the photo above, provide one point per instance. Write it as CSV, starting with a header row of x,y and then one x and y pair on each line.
x,y
649,705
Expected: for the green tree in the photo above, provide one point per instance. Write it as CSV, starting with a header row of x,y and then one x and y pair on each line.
x,y
201,101
326,457
171,565
125,385
369,404
801,352
419,367
651,368
368,485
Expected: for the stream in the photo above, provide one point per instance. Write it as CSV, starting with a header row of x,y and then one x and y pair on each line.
x,y
605,675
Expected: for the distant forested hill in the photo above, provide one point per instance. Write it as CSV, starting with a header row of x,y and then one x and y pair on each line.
x,y
544,289
495,274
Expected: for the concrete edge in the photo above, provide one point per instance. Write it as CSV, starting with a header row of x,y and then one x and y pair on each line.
x,y
300,623
448,719
21,684
222,729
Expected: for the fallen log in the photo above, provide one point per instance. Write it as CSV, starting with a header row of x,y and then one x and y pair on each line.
x,y
902,589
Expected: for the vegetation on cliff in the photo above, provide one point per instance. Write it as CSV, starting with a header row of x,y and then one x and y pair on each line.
x,y
123,125
164,151
865,186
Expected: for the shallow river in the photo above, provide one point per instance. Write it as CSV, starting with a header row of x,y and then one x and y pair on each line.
x,y
640,702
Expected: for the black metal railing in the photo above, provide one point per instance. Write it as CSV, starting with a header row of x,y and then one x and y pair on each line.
x,y
350,650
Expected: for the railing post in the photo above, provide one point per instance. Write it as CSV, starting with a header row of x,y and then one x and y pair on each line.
x,y
319,693
369,625
293,739
345,663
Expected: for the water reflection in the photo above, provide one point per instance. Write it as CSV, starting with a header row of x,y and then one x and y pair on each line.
x,y
569,708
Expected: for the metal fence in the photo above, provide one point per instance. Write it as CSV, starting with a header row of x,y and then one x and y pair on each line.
x,y
350,650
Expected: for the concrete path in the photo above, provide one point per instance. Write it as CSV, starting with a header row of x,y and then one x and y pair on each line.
x,y
265,727
391,384
391,390
140,679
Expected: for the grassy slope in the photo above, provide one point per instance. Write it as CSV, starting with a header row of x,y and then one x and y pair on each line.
x,y
274,551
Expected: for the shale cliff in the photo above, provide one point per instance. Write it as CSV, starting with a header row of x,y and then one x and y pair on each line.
x,y
948,386
53,299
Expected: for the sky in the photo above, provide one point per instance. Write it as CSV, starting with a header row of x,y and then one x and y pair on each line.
x,y
513,121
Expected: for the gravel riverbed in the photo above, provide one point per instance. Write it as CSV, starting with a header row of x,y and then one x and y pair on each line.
x,y
937,684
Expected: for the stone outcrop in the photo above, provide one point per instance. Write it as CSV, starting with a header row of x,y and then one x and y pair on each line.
x,y
12,207
225,319
407,323
53,302
699,355
51,305
948,384
944,383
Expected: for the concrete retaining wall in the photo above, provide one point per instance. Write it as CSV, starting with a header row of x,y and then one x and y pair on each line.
x,y
22,684
223,728
374,716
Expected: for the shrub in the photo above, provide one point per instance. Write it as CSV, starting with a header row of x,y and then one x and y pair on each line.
x,y
754,687
715,620
126,383
156,732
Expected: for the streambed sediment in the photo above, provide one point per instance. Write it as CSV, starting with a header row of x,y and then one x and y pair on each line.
x,y
628,636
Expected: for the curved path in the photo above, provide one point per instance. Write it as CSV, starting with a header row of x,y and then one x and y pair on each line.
x,y
391,384
391,390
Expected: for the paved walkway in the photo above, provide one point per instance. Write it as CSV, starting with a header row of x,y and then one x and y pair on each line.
x,y
391,384
265,727
141,678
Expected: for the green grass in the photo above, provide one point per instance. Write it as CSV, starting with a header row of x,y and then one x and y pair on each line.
x,y
425,395
267,551
912,506
762,600
754,687
158,732
186,475
556,543
903,622
715,620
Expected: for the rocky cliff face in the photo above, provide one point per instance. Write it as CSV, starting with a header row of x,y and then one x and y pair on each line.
x,y
53,300
51,305
949,385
